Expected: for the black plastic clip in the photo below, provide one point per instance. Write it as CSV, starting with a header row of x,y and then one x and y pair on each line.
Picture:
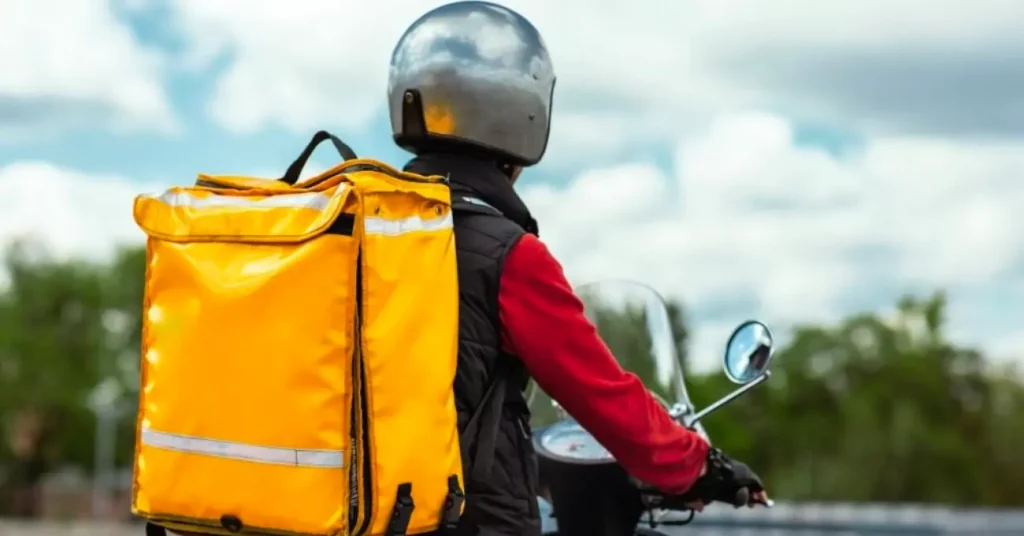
x,y
453,504
402,512
231,523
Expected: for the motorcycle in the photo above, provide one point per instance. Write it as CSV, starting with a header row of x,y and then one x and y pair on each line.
x,y
583,490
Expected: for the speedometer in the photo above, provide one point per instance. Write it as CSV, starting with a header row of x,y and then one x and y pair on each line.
x,y
569,442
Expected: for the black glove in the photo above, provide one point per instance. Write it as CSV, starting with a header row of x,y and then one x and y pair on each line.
x,y
726,480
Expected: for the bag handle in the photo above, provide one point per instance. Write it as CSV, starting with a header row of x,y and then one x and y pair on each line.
x,y
292,175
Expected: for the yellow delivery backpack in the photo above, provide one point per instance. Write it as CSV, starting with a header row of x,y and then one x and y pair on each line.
x,y
299,347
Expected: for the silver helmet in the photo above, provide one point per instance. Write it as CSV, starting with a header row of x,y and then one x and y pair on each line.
x,y
473,75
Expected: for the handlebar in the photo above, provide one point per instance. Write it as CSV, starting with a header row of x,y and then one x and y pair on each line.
x,y
742,497
656,499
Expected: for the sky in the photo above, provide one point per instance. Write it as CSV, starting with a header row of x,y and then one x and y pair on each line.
x,y
794,161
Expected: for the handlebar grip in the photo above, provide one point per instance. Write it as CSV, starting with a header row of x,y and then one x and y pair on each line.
x,y
742,497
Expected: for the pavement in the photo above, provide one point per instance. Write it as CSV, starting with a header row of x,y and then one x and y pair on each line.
x,y
75,528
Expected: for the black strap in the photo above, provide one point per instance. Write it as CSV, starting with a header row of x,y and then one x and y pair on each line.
x,y
488,412
480,437
152,529
401,514
292,175
474,205
482,429
452,506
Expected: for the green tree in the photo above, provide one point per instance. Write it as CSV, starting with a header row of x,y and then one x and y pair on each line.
x,y
65,325
880,409
871,409
1003,440
52,347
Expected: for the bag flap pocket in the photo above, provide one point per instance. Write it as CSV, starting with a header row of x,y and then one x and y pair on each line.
x,y
372,177
183,214
233,182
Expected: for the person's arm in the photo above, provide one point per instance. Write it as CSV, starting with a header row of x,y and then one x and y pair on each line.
x,y
545,326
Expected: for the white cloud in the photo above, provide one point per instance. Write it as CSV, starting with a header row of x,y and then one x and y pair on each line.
x,y
308,63
646,69
804,236
75,64
77,214
747,224
745,216
73,214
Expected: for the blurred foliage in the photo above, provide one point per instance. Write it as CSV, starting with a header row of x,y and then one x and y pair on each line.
x,y
871,409
64,326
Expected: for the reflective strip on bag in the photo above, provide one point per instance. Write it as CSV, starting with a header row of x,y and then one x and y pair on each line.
x,y
331,459
381,226
313,200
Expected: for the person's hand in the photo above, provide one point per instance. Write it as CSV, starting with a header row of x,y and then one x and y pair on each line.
x,y
758,497
722,480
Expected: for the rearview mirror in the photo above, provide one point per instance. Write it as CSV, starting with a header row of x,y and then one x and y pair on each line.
x,y
747,356
748,352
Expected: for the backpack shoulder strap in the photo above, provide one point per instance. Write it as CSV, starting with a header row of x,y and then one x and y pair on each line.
x,y
471,204
482,429
479,438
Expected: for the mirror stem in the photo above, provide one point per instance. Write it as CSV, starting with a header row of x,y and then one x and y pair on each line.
x,y
720,403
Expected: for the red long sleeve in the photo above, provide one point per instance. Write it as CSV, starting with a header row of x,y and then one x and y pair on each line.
x,y
544,324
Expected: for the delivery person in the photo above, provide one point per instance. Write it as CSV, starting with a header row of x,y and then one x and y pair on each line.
x,y
470,93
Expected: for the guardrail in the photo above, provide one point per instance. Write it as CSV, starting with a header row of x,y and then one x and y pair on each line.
x,y
855,519
807,519
70,528
785,519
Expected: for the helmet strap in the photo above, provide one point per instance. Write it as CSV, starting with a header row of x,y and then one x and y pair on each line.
x,y
507,169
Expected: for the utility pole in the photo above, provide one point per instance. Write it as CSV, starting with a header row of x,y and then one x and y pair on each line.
x,y
104,402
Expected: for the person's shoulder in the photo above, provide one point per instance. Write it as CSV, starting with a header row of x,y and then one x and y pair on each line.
x,y
531,245
484,222
533,256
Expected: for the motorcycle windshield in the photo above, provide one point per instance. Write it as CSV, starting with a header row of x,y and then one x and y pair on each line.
x,y
642,332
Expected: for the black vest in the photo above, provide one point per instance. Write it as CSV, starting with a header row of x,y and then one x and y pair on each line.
x,y
500,463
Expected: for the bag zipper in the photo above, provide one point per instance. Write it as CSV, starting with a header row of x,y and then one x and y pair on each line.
x,y
353,465
381,169
359,378
523,428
